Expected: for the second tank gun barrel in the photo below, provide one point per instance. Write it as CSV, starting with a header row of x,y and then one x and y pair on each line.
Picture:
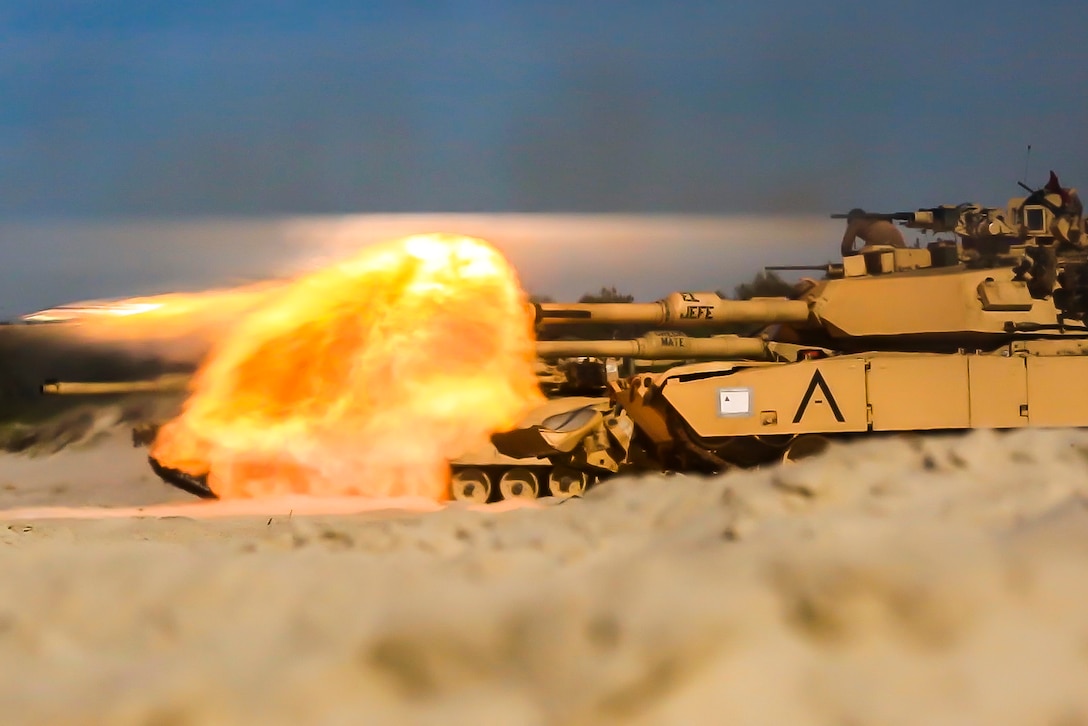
x,y
171,383
680,309
658,346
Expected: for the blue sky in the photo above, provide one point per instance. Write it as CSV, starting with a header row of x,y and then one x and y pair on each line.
x,y
165,109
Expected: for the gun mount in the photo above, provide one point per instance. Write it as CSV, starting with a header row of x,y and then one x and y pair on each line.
x,y
1052,215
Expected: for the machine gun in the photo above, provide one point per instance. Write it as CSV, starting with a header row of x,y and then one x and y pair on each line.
x,y
969,221
934,219
1052,214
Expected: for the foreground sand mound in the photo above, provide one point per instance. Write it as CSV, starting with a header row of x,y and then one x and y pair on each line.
x,y
894,582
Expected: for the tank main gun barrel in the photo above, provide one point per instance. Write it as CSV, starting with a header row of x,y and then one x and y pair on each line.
x,y
658,346
680,309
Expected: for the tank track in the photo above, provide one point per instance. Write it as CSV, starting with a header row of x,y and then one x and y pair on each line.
x,y
494,483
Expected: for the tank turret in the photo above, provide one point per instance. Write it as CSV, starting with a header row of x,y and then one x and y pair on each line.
x,y
883,297
997,272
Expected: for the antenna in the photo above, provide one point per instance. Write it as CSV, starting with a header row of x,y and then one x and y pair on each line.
x,y
1027,157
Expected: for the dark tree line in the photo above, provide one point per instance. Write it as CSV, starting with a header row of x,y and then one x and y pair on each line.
x,y
607,295
765,283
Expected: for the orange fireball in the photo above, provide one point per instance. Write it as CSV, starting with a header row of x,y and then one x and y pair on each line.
x,y
365,378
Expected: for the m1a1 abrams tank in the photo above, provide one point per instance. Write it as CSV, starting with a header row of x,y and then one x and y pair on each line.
x,y
983,327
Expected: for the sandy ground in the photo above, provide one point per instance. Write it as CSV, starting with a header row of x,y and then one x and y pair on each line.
x,y
936,581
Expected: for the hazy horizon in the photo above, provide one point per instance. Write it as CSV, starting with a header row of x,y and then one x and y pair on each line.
x,y
560,255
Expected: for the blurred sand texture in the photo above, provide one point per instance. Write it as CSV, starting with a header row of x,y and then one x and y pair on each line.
x,y
903,581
